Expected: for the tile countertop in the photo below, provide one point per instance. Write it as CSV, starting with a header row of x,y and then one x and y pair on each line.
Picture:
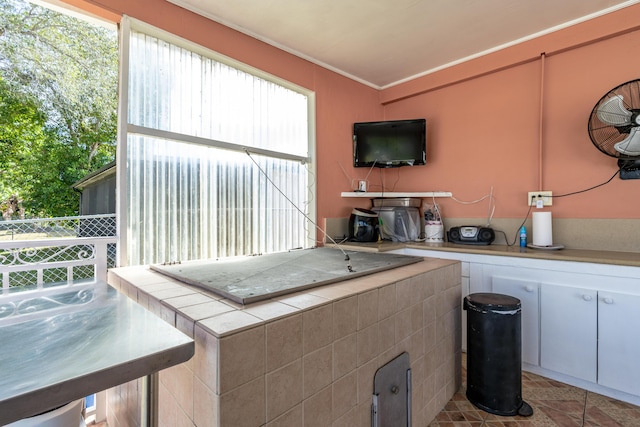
x,y
56,348
254,361
631,259
222,317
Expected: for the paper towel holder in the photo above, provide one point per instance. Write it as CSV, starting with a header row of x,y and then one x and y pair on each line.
x,y
550,247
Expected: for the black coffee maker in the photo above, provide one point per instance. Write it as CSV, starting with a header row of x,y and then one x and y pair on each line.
x,y
363,225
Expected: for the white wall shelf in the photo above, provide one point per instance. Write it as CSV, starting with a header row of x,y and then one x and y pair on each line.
x,y
373,194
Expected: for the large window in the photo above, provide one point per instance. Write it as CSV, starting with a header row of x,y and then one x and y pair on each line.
x,y
217,156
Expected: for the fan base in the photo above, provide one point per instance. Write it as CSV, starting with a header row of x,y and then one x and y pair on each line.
x,y
629,169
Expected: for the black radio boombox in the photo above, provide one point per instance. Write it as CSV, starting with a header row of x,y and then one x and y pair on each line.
x,y
471,235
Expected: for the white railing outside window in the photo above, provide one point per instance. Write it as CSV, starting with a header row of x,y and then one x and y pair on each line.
x,y
49,266
62,227
38,264
34,256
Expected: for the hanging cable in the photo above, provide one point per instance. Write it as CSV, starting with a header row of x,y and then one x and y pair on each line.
x,y
554,196
366,178
492,204
347,175
346,256
393,187
587,189
519,227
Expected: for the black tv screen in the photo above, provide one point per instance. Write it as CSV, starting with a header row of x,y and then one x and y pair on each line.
x,y
390,144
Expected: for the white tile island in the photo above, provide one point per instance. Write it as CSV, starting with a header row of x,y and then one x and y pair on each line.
x,y
304,359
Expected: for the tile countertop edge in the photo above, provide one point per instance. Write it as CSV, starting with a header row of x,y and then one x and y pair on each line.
x,y
78,387
222,324
217,326
631,259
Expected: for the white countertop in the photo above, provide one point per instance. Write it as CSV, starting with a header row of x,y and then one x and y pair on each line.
x,y
631,259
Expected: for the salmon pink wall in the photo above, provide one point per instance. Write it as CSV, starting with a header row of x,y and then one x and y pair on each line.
x,y
482,134
485,129
339,106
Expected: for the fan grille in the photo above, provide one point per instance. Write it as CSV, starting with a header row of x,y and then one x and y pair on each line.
x,y
604,135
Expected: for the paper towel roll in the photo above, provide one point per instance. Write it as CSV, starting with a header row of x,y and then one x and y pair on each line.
x,y
542,229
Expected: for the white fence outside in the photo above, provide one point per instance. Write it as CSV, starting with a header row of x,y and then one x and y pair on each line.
x,y
44,253
61,227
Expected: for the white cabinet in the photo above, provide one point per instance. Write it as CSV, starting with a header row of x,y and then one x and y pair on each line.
x,y
591,335
618,342
580,320
568,330
527,292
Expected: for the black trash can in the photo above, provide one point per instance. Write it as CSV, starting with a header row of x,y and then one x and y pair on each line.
x,y
494,354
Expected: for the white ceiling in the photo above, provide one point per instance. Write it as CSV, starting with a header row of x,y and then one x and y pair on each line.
x,y
385,42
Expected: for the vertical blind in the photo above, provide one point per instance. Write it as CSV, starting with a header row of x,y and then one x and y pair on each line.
x,y
194,200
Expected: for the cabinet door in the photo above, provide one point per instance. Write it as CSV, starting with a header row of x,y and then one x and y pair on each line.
x,y
527,292
618,343
568,330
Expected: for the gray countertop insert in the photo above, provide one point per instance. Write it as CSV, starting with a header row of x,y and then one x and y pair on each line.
x,y
249,279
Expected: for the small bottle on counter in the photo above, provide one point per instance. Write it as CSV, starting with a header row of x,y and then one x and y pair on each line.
x,y
523,236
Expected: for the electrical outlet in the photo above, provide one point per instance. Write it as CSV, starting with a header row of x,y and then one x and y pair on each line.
x,y
534,196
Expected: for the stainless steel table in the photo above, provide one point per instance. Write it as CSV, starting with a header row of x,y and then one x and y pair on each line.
x,y
60,345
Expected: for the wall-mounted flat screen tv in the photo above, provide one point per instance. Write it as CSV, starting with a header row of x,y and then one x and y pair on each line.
x,y
390,144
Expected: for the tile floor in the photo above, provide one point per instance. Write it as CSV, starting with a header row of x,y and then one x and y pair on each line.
x,y
554,405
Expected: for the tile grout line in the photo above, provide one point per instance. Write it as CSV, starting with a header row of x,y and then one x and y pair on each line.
x,y
584,408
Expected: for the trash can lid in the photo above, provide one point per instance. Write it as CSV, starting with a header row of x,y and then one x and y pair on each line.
x,y
493,302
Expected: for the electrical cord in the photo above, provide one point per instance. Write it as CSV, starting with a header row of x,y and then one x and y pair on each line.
x,y
351,180
588,189
356,187
492,204
366,178
393,187
515,239
554,196
382,186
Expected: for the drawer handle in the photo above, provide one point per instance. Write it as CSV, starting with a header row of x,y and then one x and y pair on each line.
x,y
529,288
587,297
608,300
